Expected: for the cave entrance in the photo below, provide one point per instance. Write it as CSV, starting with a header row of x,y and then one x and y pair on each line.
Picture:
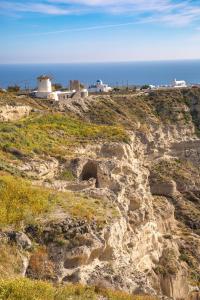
x,y
90,171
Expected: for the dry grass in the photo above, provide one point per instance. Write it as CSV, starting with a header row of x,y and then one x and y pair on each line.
x,y
21,204
53,134
39,290
10,261
40,265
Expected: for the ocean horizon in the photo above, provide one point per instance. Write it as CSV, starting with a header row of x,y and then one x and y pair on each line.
x,y
115,74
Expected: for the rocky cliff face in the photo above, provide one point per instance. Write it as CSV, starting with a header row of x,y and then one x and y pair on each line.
x,y
148,188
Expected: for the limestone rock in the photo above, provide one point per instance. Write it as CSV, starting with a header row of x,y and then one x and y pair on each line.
x,y
21,239
13,113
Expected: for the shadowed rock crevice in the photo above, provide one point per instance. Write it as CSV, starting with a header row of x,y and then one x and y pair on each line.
x,y
90,171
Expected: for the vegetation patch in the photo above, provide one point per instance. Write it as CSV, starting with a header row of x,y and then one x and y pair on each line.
x,y
170,107
181,171
13,99
21,204
168,264
67,175
126,110
11,264
54,133
39,290
91,209
156,107
7,166
186,176
40,266
189,253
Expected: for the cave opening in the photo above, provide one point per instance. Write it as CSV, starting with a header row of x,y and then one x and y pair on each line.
x,y
90,171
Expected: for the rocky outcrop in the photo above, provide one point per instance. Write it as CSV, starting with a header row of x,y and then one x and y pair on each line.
x,y
13,113
130,252
151,245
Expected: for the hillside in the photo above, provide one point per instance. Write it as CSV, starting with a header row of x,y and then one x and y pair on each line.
x,y
102,193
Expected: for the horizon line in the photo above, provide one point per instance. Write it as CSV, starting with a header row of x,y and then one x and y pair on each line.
x,y
101,62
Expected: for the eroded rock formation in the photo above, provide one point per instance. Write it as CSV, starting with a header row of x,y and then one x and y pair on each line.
x,y
151,245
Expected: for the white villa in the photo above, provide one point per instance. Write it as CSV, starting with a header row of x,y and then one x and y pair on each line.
x,y
179,83
99,87
45,91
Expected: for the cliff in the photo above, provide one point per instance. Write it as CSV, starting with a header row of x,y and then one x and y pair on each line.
x,y
103,191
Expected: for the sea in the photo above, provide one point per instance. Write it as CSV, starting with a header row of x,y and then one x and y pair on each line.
x,y
115,74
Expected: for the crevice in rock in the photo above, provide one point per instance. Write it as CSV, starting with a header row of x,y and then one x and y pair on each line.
x,y
89,172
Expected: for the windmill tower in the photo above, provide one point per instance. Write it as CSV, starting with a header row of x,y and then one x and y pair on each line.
x,y
44,84
44,87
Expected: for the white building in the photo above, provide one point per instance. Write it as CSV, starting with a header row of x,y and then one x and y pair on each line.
x,y
179,83
44,87
99,87
152,87
45,91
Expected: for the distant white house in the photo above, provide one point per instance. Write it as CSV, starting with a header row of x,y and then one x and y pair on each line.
x,y
45,91
179,83
99,87
152,87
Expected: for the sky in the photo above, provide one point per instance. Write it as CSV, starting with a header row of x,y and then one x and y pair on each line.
x,y
64,31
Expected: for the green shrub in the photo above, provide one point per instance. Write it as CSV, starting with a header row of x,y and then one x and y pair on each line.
x,y
54,133
67,175
20,202
168,264
14,88
27,289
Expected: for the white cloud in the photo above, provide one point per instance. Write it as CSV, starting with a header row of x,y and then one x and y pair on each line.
x,y
169,12
35,8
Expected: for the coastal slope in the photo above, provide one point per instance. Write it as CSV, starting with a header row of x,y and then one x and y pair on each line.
x,y
103,191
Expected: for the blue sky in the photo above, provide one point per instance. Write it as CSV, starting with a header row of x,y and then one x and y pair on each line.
x,y
57,31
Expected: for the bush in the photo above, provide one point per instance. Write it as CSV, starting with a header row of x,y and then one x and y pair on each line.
x,y
67,175
21,202
14,88
145,87
168,264
27,289
57,86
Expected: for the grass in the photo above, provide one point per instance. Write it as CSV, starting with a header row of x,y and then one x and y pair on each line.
x,y
126,110
21,204
187,212
11,264
67,175
91,209
53,134
6,165
27,289
168,264
176,169
157,107
186,176
189,253
169,106
11,98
